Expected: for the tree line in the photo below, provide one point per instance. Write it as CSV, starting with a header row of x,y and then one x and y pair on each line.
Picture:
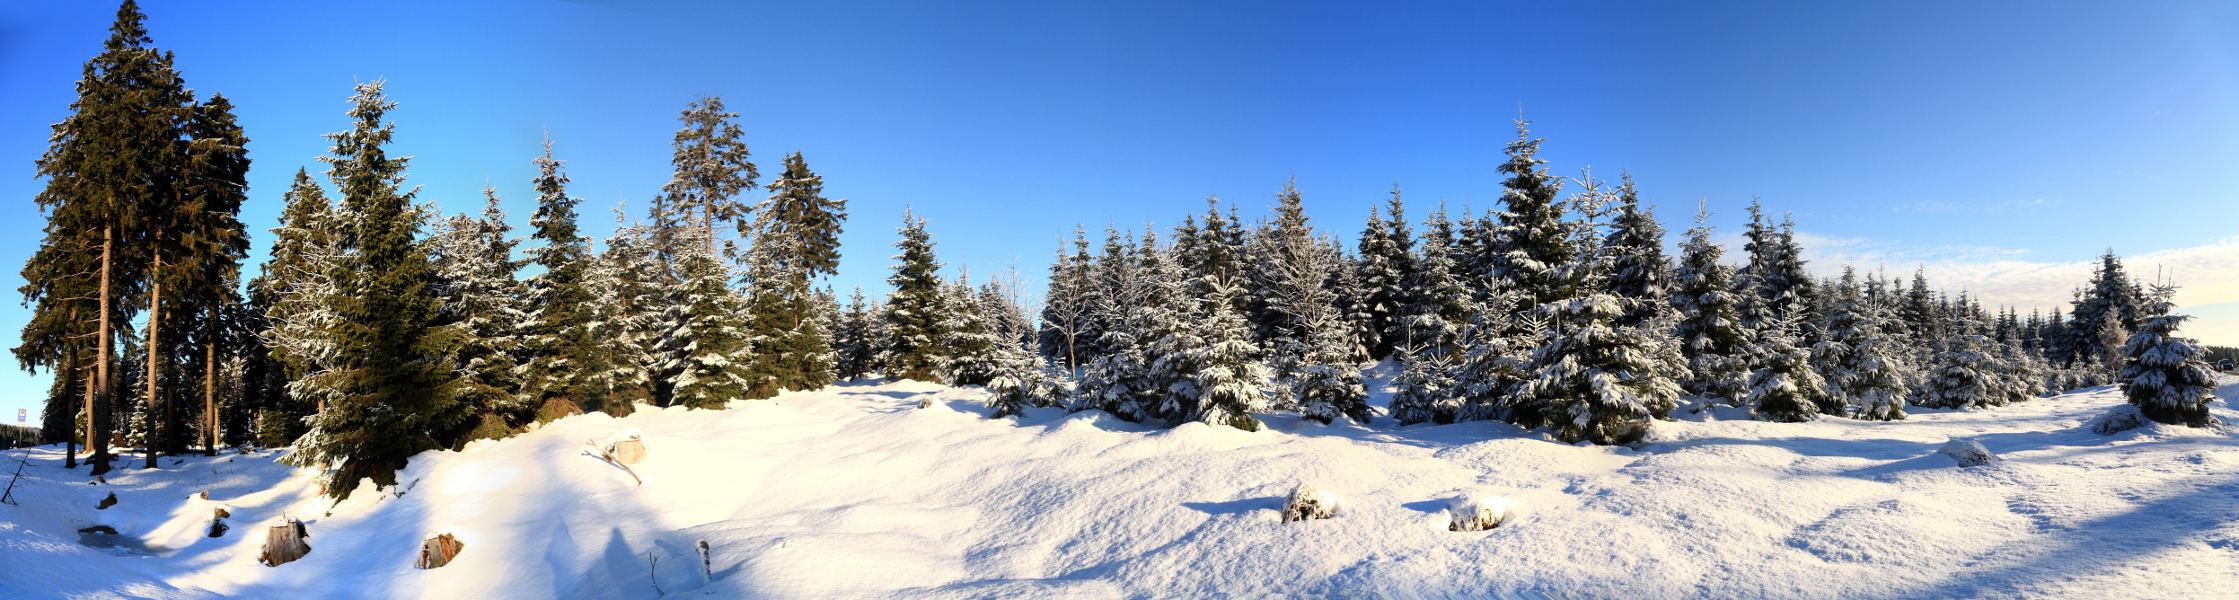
x,y
379,327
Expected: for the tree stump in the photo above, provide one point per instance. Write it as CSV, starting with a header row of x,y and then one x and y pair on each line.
x,y
439,551
629,451
107,502
284,543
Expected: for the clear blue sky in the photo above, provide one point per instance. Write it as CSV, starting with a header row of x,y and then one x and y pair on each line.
x,y
1930,131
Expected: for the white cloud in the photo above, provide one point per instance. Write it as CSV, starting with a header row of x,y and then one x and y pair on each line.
x,y
2208,275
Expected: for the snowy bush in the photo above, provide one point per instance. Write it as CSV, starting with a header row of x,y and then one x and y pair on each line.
x,y
1306,502
2117,420
1477,512
1968,453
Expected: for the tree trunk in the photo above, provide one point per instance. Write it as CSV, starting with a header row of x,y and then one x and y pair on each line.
x,y
99,415
155,317
70,401
210,384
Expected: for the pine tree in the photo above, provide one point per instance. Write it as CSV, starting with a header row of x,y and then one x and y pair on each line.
x,y
628,304
474,259
1387,265
1594,379
1858,358
1709,328
1425,390
1017,381
1437,308
713,166
1229,379
1639,272
111,170
292,293
2104,314
710,343
396,386
2165,375
1960,376
796,242
1530,241
564,359
216,184
1782,385
969,344
851,342
914,310
1066,306
1498,360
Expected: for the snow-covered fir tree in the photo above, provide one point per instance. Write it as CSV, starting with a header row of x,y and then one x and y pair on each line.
x,y
393,372
1638,270
1594,379
564,358
1858,358
1497,359
1229,380
1066,305
709,345
1019,380
1437,304
629,306
1386,268
474,260
851,341
914,311
2163,374
1530,241
969,341
1782,384
795,243
1960,376
1425,390
1709,330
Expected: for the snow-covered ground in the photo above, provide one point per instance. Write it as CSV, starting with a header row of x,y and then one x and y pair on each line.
x,y
855,491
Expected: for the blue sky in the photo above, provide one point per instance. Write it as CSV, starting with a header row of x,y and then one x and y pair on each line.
x,y
1996,143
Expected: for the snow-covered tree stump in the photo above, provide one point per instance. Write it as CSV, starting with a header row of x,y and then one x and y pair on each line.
x,y
1477,513
438,551
284,543
1968,453
1305,503
628,448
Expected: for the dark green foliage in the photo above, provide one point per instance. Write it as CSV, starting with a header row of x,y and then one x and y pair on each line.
x,y
1709,329
795,243
565,360
914,310
710,343
713,167
556,409
1531,241
393,372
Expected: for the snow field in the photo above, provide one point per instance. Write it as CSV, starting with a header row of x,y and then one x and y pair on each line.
x,y
854,491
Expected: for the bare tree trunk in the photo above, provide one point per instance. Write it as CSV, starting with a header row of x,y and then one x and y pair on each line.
x,y
155,317
69,372
210,386
99,415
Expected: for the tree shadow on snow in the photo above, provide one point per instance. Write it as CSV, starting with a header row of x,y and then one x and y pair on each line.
x,y
2118,541
1237,507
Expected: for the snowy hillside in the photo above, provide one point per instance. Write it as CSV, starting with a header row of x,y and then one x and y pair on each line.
x,y
855,491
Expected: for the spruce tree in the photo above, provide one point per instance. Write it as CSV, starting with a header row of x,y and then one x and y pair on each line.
x,y
1387,266
1066,305
1782,385
796,242
1961,376
628,305
1709,328
1860,361
914,310
111,169
713,166
1425,390
292,292
1229,379
565,360
396,384
851,342
710,343
216,184
474,258
1530,241
969,343
1638,271
2163,374
1594,379
1437,304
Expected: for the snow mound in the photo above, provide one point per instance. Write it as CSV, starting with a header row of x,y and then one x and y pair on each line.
x,y
1968,453
1478,512
1307,503
2121,418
